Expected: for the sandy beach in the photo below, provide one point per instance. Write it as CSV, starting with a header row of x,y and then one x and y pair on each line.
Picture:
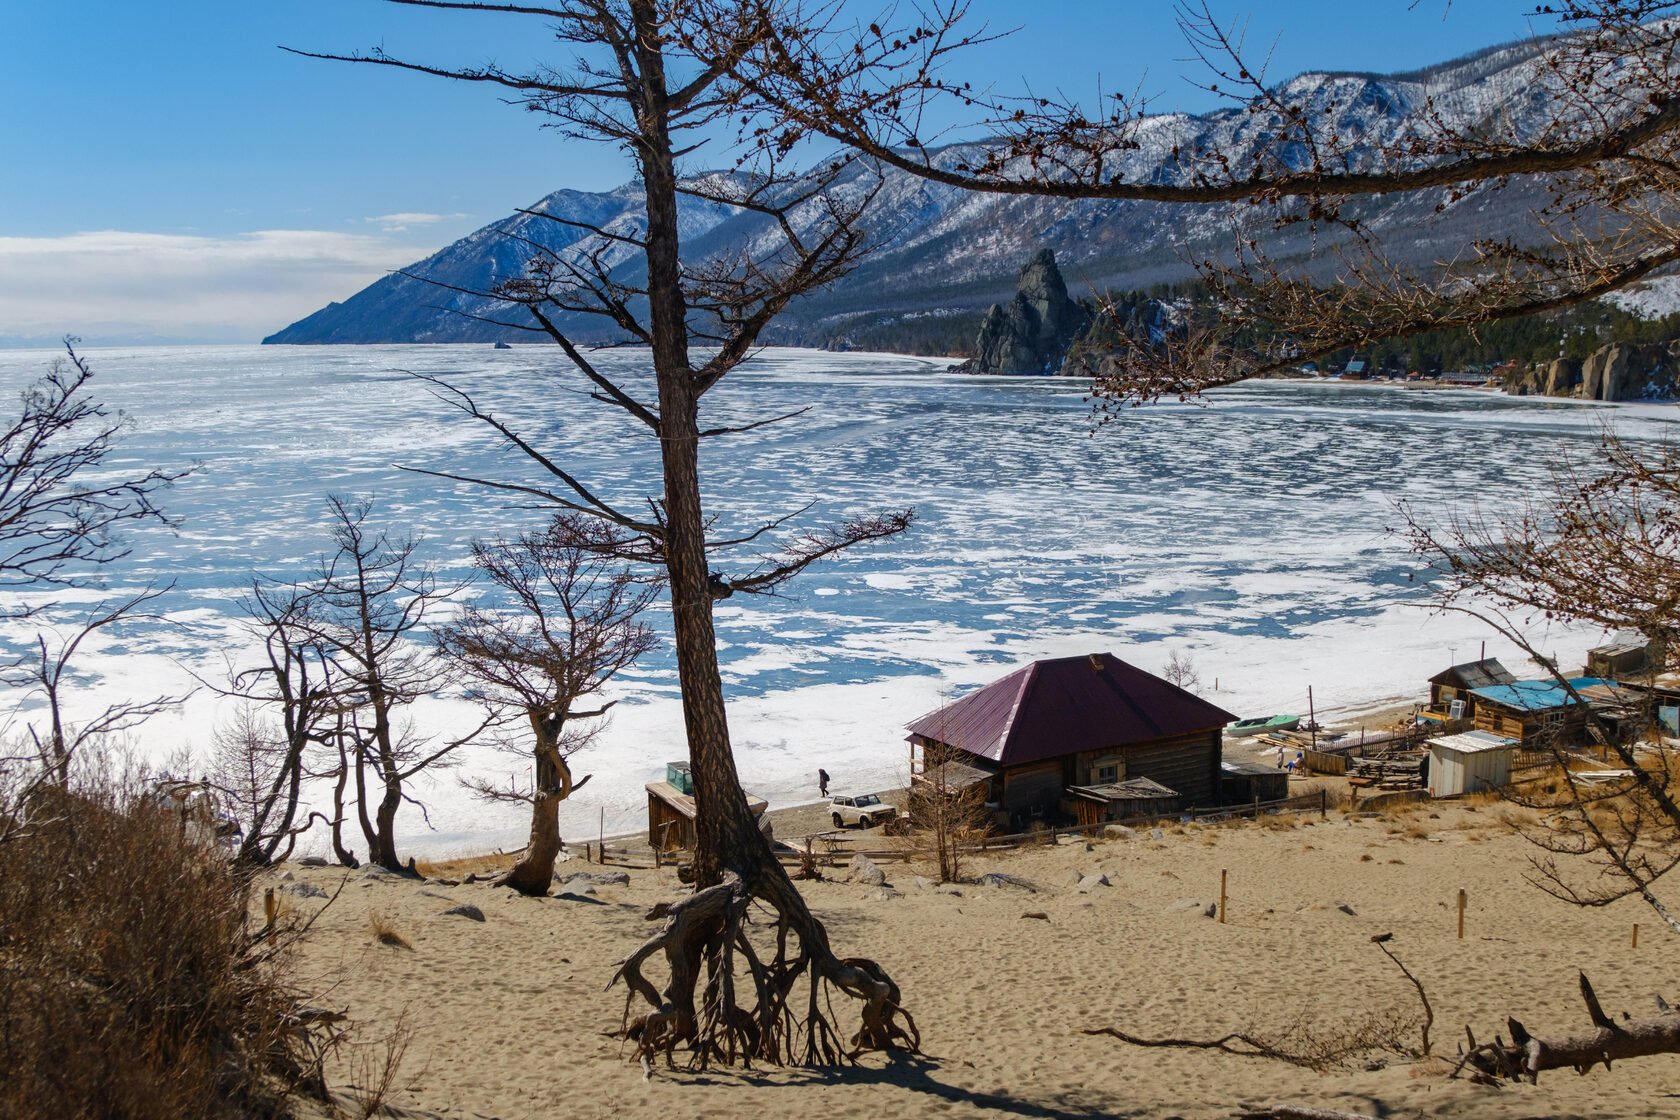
x,y
508,1014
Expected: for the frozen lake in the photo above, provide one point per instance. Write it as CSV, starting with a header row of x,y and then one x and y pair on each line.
x,y
1249,533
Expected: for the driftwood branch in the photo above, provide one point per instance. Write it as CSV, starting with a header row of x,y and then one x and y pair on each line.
x,y
1609,1040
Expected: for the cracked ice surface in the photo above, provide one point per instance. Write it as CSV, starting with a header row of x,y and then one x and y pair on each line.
x,y
1250,533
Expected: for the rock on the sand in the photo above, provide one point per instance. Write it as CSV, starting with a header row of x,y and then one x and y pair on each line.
x,y
1207,909
865,870
999,879
1092,881
312,861
305,890
465,910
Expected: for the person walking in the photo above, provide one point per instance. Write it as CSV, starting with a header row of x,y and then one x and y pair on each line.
x,y
822,781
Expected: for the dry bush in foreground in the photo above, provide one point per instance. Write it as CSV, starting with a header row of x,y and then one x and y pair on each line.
x,y
129,984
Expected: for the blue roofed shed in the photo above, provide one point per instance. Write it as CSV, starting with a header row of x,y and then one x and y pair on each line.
x,y
1531,710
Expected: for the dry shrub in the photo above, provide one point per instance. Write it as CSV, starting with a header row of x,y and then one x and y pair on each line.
x,y
375,1067
1278,822
462,866
385,932
1415,831
130,985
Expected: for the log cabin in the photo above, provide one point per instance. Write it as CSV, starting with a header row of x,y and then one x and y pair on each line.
x,y
1066,736
1458,683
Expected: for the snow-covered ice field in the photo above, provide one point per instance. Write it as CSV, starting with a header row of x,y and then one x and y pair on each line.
x,y
1250,533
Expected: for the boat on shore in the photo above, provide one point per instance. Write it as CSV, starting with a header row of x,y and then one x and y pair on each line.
x,y
1261,724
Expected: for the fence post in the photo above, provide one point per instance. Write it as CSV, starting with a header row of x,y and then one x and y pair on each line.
x,y
1222,874
1257,806
1462,897
1323,800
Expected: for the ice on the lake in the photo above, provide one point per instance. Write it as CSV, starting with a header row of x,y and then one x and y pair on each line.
x,y
1251,535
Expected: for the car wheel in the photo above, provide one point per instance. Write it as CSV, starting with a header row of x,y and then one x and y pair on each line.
x,y
838,823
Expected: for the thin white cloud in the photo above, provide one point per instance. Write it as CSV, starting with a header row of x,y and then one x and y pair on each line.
x,y
121,285
399,222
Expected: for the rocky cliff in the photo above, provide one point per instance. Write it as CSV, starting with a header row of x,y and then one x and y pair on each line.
x,y
1032,332
1621,371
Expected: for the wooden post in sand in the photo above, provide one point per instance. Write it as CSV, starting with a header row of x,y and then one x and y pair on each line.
x,y
1636,935
1222,875
271,907
1462,898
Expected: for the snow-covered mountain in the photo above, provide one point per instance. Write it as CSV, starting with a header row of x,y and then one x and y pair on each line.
x,y
945,250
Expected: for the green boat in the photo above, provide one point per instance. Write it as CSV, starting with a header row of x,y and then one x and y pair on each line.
x,y
1261,724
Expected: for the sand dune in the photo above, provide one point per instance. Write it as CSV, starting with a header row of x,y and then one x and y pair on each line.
x,y
508,1014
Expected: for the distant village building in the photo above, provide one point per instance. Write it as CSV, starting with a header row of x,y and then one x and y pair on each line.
x,y
1244,782
671,810
1535,713
1468,763
1456,686
1624,657
1073,735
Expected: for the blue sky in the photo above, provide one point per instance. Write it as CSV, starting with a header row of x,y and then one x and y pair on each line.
x,y
171,175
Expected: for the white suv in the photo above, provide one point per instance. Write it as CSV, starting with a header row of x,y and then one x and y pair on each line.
x,y
864,809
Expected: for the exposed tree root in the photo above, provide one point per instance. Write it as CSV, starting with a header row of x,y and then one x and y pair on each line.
x,y
730,1002
1525,1056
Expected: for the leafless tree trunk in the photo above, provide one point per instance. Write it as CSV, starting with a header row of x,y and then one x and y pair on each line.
x,y
370,601
49,676
654,78
571,628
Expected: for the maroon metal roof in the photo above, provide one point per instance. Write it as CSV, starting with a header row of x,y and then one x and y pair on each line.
x,y
1069,704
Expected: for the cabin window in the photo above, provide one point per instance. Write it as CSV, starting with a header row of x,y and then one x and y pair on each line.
x,y
1107,775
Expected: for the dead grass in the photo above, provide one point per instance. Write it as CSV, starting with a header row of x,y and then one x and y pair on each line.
x,y
385,932
1279,822
462,866
131,982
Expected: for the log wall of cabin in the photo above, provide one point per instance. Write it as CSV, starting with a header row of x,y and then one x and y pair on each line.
x,y
1034,786
1531,727
1187,764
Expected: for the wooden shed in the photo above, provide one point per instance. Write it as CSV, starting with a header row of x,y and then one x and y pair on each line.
x,y
1536,712
1088,721
1131,799
1247,782
671,810
1469,762
1625,657
1457,684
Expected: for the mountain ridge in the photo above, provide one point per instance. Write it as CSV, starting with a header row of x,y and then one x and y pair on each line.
x,y
945,251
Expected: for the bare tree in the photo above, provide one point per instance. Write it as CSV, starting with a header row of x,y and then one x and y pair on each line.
x,y
1602,549
370,602
291,710
48,676
1181,671
656,79
572,626
947,807
60,509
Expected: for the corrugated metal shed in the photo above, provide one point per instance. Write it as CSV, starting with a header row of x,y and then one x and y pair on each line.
x,y
1475,674
1535,696
1471,742
1475,760
1065,705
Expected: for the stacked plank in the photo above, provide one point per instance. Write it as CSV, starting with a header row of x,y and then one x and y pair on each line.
x,y
1386,773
